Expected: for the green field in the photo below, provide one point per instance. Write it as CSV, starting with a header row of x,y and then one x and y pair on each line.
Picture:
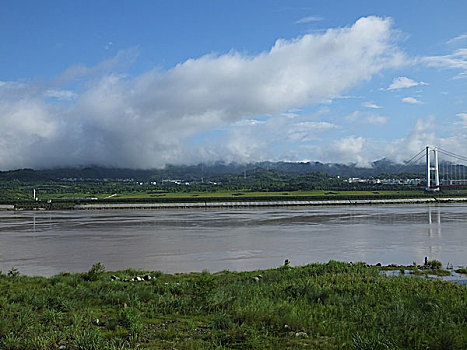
x,y
21,193
318,306
233,194
247,195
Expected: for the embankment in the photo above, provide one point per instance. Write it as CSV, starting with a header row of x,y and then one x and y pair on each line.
x,y
247,204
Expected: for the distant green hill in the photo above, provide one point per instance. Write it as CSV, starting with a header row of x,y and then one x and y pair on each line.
x,y
200,171
25,175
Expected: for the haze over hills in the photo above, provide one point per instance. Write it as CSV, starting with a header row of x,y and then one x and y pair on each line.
x,y
193,172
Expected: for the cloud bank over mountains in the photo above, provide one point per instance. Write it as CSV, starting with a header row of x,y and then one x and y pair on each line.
x,y
231,107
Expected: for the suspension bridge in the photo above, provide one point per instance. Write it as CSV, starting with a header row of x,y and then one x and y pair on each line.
x,y
443,168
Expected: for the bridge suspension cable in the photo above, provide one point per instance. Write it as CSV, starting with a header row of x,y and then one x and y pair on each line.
x,y
422,153
453,155
452,173
411,161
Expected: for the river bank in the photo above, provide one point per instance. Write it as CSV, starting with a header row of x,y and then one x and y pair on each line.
x,y
246,204
226,204
321,306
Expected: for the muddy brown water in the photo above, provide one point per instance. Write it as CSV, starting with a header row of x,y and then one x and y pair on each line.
x,y
184,240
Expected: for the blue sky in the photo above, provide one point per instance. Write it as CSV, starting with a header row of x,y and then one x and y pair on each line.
x,y
145,83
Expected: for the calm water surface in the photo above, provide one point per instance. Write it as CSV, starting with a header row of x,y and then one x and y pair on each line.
x,y
46,243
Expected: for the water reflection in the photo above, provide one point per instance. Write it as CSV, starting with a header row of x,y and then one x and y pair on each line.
x,y
434,216
434,231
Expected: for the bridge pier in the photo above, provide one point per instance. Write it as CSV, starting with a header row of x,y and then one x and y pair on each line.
x,y
430,168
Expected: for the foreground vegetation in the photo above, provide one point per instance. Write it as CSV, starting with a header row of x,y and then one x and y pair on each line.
x,y
320,306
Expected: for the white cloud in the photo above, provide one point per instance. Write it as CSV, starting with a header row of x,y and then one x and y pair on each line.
x,y
421,135
275,138
79,72
377,119
64,95
371,105
457,60
457,38
244,144
354,116
366,118
404,82
411,100
150,120
463,119
309,131
108,46
309,19
9,86
248,122
349,149
363,151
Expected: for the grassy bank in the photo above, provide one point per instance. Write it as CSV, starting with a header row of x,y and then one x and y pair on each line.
x,y
161,196
148,195
69,200
320,306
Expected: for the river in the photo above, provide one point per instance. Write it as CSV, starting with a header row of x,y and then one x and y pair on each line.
x,y
183,240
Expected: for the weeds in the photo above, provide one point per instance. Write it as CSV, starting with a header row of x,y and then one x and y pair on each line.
x,y
89,340
323,306
371,342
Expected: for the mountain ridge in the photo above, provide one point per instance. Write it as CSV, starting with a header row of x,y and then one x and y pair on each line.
x,y
200,171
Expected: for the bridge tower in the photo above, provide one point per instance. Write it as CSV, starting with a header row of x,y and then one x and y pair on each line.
x,y
430,168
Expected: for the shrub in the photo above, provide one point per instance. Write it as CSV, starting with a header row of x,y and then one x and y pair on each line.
x,y
95,272
434,264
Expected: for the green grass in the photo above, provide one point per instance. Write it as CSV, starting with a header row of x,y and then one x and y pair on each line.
x,y
319,306
110,191
245,194
236,194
